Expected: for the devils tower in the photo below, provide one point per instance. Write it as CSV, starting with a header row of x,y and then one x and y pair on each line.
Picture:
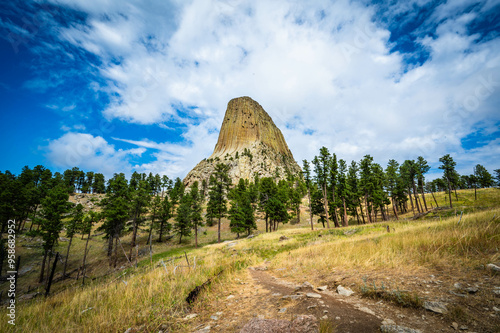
x,y
250,143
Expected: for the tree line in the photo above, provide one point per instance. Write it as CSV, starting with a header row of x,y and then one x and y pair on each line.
x,y
364,190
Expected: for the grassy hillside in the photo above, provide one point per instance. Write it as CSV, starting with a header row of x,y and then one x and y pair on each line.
x,y
366,257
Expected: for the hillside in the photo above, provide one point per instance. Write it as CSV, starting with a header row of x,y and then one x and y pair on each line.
x,y
394,276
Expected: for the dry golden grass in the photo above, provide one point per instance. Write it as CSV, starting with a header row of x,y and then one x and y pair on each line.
x,y
148,297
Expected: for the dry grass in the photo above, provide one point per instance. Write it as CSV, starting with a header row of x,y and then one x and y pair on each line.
x,y
149,298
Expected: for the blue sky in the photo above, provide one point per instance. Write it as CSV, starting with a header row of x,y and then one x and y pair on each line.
x,y
118,86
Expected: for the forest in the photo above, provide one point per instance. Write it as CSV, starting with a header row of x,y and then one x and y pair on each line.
x,y
334,192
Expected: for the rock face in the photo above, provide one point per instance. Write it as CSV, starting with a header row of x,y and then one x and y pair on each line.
x,y
250,143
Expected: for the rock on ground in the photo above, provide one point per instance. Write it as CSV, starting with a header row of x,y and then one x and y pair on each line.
x,y
302,324
344,291
437,307
397,329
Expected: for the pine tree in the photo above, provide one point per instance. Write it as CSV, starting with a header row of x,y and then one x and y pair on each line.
x,y
497,176
183,225
139,200
306,171
322,170
115,211
218,189
448,167
484,178
241,213
422,169
343,189
267,189
165,214
71,228
54,206
196,209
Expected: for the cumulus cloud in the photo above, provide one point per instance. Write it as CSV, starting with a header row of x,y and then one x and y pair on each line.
x,y
89,153
327,73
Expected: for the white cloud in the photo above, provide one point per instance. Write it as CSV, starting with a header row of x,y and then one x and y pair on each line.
x,y
89,153
317,65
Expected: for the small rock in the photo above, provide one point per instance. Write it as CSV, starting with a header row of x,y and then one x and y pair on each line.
x,y
337,318
325,311
230,297
496,290
322,288
437,307
205,329
313,295
276,294
386,322
214,317
307,285
454,325
493,267
128,330
311,307
457,286
294,297
324,317
464,328
472,290
191,316
282,310
397,329
496,309
219,313
366,310
344,291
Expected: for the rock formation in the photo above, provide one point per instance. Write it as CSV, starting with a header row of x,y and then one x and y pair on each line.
x,y
250,143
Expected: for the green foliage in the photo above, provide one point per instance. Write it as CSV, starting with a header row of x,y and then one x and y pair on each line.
x,y
241,213
483,177
55,205
75,222
218,189
115,207
183,225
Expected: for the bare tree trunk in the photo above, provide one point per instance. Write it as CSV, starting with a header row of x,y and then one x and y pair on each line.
x,y
423,196
51,275
361,211
310,209
134,235
437,205
411,201
196,236
394,209
42,271
449,193
218,230
415,195
325,202
67,256
85,257
345,212
367,210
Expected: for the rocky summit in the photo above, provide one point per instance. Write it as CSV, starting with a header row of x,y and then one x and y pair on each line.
x,y
250,143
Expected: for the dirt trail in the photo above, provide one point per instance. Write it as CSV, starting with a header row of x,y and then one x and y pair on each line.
x,y
258,294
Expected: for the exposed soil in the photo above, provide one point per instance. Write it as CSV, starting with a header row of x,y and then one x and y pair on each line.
x,y
258,294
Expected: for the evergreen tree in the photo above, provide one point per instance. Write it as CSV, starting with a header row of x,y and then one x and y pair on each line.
x,y
322,170
392,175
99,185
497,176
448,167
183,225
71,228
196,210
306,171
241,213
165,214
422,169
343,189
54,206
333,170
484,178
86,228
366,184
354,191
139,200
218,189
115,211
267,189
